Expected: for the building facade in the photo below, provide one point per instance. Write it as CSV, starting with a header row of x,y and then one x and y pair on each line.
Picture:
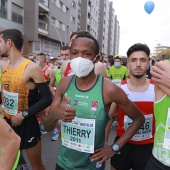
x,y
160,48
47,24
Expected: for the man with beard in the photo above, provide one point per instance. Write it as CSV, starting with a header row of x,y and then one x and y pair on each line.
x,y
22,83
140,90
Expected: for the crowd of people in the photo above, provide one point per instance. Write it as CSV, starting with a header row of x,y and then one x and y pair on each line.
x,y
80,96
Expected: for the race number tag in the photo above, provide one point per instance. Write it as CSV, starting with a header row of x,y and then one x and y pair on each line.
x,y
166,144
79,134
116,81
145,132
10,102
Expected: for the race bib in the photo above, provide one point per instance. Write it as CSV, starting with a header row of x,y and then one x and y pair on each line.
x,y
79,134
145,132
10,102
166,144
116,81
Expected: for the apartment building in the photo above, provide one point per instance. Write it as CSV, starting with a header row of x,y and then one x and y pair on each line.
x,y
47,24
160,48
90,16
116,36
111,32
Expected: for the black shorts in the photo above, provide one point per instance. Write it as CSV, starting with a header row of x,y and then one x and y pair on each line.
x,y
154,164
58,167
132,156
29,132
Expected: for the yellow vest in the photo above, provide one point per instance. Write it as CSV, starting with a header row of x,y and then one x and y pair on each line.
x,y
12,81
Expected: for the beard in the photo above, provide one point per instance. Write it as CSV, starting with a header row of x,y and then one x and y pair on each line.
x,y
138,76
4,55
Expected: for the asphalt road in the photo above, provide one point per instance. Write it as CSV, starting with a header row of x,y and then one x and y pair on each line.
x,y
50,149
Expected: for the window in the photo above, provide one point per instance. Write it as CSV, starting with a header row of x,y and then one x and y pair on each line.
x,y
3,10
64,8
61,5
53,20
67,10
73,4
73,19
60,25
63,27
2,3
17,13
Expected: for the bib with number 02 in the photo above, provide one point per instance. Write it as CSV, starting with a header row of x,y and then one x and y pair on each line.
x,y
145,132
79,134
10,102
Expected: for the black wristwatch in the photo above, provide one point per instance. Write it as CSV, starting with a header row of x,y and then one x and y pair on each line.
x,y
116,148
24,114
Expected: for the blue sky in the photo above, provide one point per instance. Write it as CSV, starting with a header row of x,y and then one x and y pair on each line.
x,y
137,26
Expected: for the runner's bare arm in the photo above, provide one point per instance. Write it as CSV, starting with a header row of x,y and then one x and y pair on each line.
x,y
115,94
63,68
52,82
9,146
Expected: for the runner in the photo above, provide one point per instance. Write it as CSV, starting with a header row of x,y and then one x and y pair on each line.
x,y
117,73
22,82
88,97
140,90
160,158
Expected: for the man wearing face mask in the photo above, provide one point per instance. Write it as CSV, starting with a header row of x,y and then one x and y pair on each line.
x,y
82,102
47,73
118,72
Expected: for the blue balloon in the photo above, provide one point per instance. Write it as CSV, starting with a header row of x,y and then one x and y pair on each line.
x,y
149,7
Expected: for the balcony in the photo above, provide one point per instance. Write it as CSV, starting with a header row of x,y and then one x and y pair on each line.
x,y
43,5
17,18
42,27
3,12
44,2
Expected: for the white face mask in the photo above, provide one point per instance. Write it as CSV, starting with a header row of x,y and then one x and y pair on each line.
x,y
81,66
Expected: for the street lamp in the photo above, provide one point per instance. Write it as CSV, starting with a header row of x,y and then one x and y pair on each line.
x,y
51,22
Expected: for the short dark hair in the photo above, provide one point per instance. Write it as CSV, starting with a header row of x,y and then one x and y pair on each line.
x,y
15,36
85,35
79,32
65,48
138,47
42,55
110,57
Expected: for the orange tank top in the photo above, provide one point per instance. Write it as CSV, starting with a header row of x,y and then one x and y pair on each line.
x,y
14,92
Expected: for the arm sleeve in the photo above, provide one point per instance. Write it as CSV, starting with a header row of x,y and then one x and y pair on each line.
x,y
44,102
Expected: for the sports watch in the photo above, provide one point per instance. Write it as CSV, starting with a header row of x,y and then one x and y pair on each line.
x,y
115,147
24,114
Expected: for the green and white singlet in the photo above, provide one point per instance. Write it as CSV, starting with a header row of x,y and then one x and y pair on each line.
x,y
161,149
87,131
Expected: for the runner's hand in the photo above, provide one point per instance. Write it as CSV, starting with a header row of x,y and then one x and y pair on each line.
x,y
68,113
17,119
103,154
